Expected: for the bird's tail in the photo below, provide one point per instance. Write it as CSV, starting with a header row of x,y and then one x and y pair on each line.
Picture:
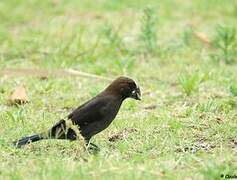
x,y
58,131
26,140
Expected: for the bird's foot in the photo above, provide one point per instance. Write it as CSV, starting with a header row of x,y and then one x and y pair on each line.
x,y
92,148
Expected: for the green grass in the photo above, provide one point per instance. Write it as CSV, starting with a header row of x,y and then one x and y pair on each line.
x,y
181,137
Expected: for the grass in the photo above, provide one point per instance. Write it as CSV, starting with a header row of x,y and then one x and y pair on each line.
x,y
177,136
148,30
189,82
226,45
233,90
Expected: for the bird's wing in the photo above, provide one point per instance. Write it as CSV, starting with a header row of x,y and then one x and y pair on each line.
x,y
93,110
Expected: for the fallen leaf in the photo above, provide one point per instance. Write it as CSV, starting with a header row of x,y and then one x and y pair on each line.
x,y
202,37
19,96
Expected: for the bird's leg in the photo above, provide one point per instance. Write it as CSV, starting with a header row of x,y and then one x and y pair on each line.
x,y
87,140
94,145
91,146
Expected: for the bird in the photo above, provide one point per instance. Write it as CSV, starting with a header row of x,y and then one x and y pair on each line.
x,y
92,117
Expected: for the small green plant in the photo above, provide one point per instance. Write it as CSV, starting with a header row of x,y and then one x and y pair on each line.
x,y
225,43
189,82
148,36
227,105
187,36
233,90
209,106
112,36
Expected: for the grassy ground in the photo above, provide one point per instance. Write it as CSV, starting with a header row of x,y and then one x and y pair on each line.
x,y
186,124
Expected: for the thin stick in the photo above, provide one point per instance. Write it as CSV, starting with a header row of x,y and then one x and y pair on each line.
x,y
47,72
89,75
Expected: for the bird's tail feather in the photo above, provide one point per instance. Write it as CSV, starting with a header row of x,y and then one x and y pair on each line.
x,y
26,140
58,131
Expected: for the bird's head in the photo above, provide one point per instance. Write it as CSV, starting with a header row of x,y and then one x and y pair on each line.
x,y
125,88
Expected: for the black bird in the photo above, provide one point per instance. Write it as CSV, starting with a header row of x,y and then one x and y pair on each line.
x,y
91,117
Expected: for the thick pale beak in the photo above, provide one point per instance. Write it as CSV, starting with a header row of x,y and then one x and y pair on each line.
x,y
136,94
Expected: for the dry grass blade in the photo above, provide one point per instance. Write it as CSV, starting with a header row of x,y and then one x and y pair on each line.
x,y
202,37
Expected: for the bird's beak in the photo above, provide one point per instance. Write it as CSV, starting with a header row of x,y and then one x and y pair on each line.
x,y
136,94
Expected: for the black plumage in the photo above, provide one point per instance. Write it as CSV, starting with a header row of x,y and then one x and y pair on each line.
x,y
91,117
